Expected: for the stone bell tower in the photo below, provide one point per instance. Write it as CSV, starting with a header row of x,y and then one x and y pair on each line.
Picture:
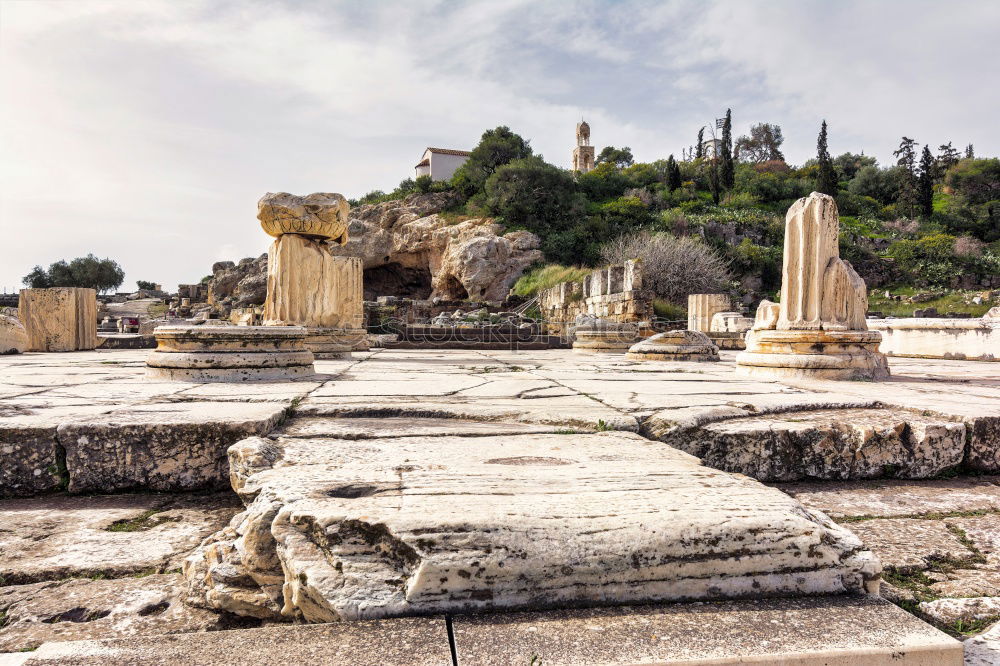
x,y
583,154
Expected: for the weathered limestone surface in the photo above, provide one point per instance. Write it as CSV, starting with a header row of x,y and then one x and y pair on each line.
x,y
78,609
984,649
171,446
856,630
59,319
972,339
820,329
702,308
825,444
791,632
674,346
320,215
13,336
56,537
967,610
229,354
890,497
398,642
908,544
352,529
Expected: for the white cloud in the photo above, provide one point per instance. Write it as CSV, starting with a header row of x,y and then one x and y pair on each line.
x,y
146,131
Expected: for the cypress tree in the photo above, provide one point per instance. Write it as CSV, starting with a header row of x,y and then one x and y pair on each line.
x,y
699,150
826,177
673,174
925,183
727,171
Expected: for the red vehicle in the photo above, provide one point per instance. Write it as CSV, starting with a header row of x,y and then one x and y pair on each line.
x,y
128,325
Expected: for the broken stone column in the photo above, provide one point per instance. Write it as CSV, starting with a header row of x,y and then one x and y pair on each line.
x,y
818,329
701,309
674,346
306,284
59,319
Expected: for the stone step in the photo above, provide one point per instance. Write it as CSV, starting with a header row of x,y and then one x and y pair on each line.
x,y
828,631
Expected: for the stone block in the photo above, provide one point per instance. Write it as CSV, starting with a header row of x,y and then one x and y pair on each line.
x,y
60,319
825,631
174,446
701,309
58,537
308,286
402,642
825,444
349,529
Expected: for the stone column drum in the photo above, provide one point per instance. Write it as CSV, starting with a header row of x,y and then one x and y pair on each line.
x,y
229,354
701,309
306,284
818,330
59,319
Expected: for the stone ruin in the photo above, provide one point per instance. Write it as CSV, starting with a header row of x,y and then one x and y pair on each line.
x,y
674,346
614,294
818,329
59,319
306,284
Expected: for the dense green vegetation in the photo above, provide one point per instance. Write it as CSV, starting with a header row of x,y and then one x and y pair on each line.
x,y
91,272
925,221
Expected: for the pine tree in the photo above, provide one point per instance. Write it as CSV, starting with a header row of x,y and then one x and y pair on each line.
x,y
699,149
727,171
826,177
925,183
969,152
947,157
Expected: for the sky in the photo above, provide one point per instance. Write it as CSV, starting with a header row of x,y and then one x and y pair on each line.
x,y
146,131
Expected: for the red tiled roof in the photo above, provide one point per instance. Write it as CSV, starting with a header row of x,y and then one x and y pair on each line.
x,y
449,151
425,162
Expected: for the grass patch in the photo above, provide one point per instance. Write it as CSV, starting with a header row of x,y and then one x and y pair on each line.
x,y
934,515
949,302
144,521
917,582
545,277
669,311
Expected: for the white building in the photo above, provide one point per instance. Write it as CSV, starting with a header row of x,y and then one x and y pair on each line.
x,y
440,163
711,148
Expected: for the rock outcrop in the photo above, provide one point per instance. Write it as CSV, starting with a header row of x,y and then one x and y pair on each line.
x,y
239,285
410,249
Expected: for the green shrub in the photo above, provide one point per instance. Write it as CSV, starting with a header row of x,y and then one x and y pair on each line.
x,y
669,311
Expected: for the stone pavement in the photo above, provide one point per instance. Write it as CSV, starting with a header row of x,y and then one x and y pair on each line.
x,y
89,421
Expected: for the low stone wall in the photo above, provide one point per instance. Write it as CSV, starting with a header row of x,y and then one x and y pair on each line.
x,y
615,294
970,339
